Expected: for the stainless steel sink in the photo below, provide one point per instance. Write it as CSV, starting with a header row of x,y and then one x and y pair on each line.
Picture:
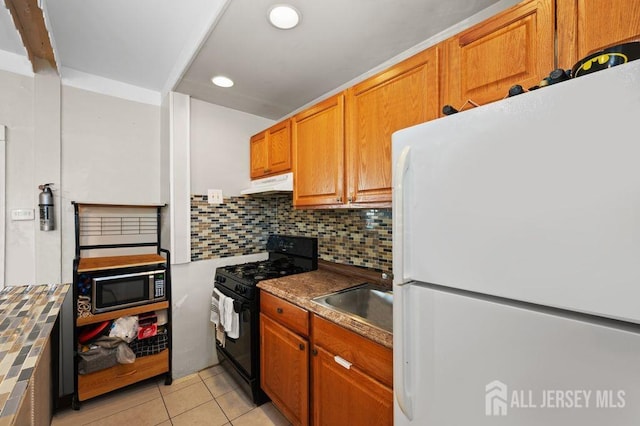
x,y
368,303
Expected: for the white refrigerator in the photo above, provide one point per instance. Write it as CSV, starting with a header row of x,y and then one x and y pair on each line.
x,y
516,259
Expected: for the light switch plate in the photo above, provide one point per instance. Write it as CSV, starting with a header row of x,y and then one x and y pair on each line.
x,y
214,196
22,214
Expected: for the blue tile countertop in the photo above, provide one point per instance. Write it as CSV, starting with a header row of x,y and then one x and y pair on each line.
x,y
27,315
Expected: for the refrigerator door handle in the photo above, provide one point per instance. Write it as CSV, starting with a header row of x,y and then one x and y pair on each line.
x,y
398,215
401,344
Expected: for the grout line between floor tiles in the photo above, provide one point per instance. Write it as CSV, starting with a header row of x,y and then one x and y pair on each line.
x,y
164,404
93,420
199,405
206,402
221,410
105,399
177,390
163,396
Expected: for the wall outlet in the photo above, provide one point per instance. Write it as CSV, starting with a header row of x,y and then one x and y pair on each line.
x,y
214,196
22,214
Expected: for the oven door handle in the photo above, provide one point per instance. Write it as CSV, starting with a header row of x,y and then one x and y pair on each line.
x,y
239,306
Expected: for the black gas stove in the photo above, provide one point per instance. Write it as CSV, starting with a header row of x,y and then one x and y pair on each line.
x,y
241,357
287,255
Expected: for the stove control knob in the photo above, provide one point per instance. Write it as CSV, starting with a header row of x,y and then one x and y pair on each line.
x,y
221,279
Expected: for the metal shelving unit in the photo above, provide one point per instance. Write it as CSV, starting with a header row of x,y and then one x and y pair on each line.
x,y
112,229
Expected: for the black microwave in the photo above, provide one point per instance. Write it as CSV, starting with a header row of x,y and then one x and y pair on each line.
x,y
120,289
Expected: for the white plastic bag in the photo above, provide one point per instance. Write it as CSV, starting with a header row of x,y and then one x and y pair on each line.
x,y
125,328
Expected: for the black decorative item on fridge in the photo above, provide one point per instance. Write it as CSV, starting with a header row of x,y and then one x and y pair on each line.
x,y
607,58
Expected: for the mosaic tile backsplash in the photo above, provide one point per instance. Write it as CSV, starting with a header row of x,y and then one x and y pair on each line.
x,y
360,237
239,226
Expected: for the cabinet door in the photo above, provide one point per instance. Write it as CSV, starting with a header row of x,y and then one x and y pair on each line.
x,y
279,148
402,96
318,154
514,47
585,26
259,155
284,370
346,396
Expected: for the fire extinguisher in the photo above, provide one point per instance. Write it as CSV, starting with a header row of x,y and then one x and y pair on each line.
x,y
46,208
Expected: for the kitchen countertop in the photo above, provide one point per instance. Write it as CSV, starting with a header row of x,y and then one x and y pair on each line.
x,y
299,289
27,316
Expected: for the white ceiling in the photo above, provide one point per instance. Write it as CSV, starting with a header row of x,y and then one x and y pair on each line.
x,y
162,45
9,37
277,72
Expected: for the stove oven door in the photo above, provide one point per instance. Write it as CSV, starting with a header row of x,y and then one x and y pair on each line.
x,y
243,351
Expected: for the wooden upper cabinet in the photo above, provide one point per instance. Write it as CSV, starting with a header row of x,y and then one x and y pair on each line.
x,y
402,96
279,147
513,47
271,151
258,150
585,26
318,154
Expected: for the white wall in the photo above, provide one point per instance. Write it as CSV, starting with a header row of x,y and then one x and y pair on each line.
x,y
193,334
16,112
93,147
220,147
110,154
2,202
46,168
179,202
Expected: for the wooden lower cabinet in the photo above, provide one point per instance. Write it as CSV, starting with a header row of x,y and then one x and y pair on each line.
x,y
352,377
347,396
284,366
342,378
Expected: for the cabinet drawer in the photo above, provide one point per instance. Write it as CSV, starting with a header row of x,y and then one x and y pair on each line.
x,y
94,384
287,314
370,357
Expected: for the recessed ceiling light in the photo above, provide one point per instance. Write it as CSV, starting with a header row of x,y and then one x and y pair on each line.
x,y
222,81
284,16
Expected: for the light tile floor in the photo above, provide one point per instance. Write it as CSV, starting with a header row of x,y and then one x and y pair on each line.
x,y
209,397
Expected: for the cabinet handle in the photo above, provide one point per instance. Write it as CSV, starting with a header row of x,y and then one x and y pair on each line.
x,y
350,199
339,199
301,346
266,170
343,362
314,352
279,310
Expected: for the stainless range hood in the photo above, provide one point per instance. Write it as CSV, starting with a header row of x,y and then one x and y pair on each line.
x,y
279,183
